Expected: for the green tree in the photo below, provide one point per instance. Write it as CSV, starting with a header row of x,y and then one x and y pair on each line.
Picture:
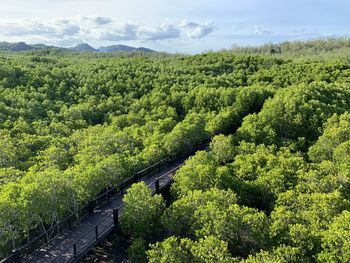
x,y
179,217
186,134
11,217
282,254
295,115
336,240
171,250
262,172
11,174
336,132
299,219
210,249
142,211
8,151
244,229
222,148
137,251
206,250
198,172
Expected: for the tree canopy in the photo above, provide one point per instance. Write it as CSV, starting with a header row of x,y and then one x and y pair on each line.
x,y
271,186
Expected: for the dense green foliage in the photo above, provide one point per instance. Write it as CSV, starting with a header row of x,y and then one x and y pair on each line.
x,y
277,190
274,191
305,198
72,125
268,203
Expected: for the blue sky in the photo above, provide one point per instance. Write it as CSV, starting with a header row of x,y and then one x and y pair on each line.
x,y
171,25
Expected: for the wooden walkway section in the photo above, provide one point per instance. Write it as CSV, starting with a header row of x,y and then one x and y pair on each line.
x,y
71,245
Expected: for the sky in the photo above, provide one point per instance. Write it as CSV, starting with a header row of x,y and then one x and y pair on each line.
x,y
183,26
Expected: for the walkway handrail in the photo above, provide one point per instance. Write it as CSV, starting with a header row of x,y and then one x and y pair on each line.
x,y
87,209
76,250
84,211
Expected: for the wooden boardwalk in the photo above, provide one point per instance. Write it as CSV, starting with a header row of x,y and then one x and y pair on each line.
x,y
71,244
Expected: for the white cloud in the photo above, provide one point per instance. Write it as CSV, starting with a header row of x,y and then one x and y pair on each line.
x,y
102,20
195,30
159,33
98,20
117,33
57,28
99,29
258,30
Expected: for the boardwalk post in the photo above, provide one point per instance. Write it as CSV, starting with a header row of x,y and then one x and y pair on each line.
x,y
75,249
96,232
69,223
16,256
91,207
107,193
115,217
157,186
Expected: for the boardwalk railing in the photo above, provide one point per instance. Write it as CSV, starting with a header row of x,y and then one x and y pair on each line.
x,y
88,209
99,231
109,223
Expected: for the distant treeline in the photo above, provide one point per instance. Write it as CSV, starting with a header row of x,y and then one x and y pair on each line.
x,y
330,48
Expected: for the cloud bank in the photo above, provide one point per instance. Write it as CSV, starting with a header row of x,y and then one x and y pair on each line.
x,y
96,29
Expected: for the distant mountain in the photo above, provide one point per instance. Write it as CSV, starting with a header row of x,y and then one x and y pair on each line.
x,y
123,48
146,50
42,46
21,46
14,47
4,46
116,48
84,47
